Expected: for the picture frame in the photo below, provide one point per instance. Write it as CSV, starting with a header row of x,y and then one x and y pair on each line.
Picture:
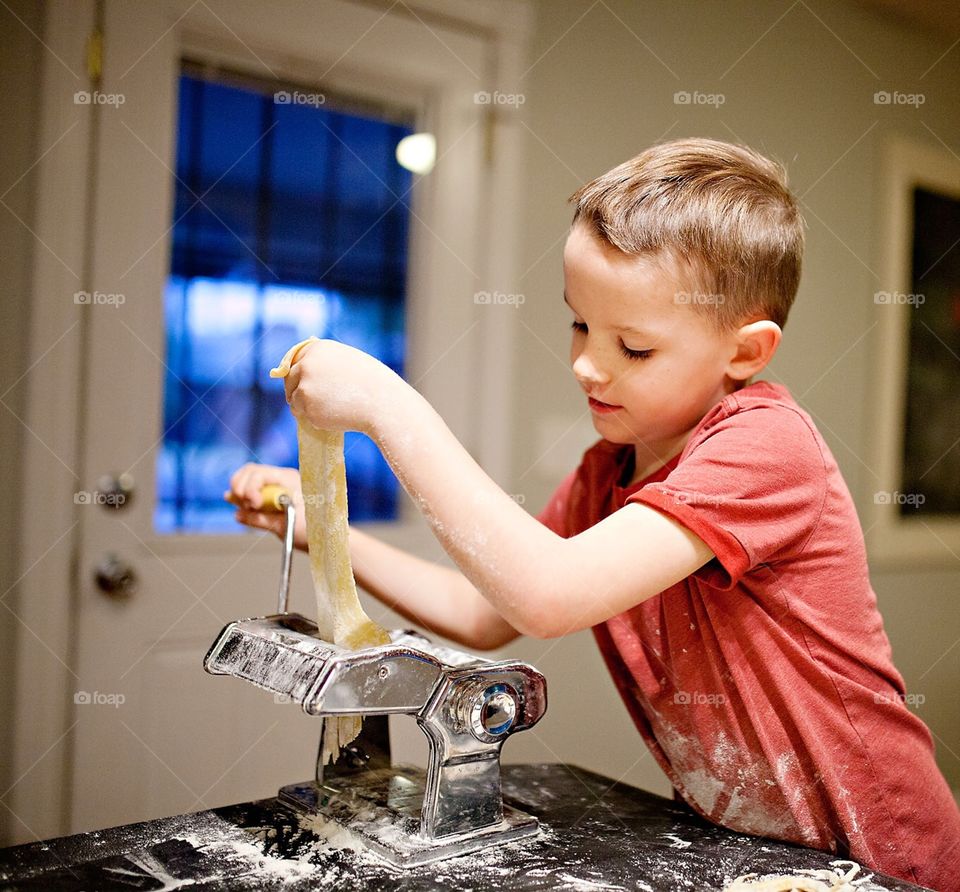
x,y
913,514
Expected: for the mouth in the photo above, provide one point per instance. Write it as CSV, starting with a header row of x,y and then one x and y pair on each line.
x,y
601,408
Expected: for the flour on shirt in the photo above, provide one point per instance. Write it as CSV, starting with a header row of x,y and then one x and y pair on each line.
x,y
731,791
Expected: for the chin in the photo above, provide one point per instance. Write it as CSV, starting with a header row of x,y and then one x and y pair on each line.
x,y
613,431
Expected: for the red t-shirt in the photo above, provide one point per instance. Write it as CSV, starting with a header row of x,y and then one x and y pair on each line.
x,y
763,683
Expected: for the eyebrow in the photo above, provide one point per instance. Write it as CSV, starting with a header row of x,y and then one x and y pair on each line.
x,y
623,328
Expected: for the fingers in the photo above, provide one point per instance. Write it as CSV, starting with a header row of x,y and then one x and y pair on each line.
x,y
232,495
293,387
291,381
245,486
246,483
261,520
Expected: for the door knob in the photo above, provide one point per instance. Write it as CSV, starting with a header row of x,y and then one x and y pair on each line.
x,y
115,490
115,577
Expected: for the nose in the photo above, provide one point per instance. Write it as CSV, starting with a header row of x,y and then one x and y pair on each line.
x,y
587,372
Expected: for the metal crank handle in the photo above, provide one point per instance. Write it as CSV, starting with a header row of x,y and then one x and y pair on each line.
x,y
276,498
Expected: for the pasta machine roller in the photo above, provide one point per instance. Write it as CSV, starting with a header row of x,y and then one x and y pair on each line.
x,y
466,706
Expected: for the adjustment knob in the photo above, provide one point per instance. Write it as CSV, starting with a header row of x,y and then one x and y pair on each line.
x,y
498,712
488,711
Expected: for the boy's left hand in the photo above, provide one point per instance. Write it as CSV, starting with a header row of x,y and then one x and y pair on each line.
x,y
339,388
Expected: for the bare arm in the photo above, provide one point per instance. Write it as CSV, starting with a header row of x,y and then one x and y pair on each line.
x,y
437,598
540,583
440,599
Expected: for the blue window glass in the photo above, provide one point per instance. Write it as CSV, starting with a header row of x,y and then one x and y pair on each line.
x,y
289,220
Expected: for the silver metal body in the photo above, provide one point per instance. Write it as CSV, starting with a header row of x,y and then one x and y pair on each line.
x,y
466,706
287,559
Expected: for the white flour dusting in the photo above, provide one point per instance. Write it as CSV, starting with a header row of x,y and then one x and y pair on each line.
x,y
587,885
285,870
676,842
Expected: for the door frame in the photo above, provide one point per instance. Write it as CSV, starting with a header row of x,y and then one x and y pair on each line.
x,y
895,541
59,348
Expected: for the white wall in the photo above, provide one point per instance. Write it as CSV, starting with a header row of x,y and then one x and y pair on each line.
x,y
798,83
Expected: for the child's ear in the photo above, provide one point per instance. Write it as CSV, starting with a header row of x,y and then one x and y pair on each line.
x,y
755,344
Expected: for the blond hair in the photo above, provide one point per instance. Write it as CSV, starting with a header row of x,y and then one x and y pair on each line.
x,y
723,211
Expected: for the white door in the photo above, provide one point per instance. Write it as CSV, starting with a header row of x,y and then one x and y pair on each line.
x,y
150,733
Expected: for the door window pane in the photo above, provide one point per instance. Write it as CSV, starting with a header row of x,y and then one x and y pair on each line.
x,y
290,220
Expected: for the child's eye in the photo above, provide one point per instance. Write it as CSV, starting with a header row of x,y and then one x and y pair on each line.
x,y
634,354
578,326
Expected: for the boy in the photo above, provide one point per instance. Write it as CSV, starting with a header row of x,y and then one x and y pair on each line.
x,y
708,538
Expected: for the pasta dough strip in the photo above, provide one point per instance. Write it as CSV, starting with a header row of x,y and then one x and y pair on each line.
x,y
340,617
804,880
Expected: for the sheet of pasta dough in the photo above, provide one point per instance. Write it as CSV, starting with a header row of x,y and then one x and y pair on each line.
x,y
839,878
340,617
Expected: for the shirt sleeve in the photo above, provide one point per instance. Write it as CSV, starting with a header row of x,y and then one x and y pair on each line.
x,y
753,488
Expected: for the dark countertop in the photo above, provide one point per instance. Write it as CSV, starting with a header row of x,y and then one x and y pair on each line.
x,y
596,835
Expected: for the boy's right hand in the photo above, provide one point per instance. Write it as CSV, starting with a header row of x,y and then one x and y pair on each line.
x,y
244,492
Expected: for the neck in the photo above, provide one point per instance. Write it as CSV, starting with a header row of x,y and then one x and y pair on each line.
x,y
648,459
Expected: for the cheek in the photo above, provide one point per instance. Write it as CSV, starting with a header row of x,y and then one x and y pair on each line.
x,y
635,387
650,387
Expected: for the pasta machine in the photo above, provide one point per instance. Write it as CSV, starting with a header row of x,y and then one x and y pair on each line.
x,y
466,706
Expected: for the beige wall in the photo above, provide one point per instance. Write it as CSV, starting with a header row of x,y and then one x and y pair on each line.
x,y
19,63
601,90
